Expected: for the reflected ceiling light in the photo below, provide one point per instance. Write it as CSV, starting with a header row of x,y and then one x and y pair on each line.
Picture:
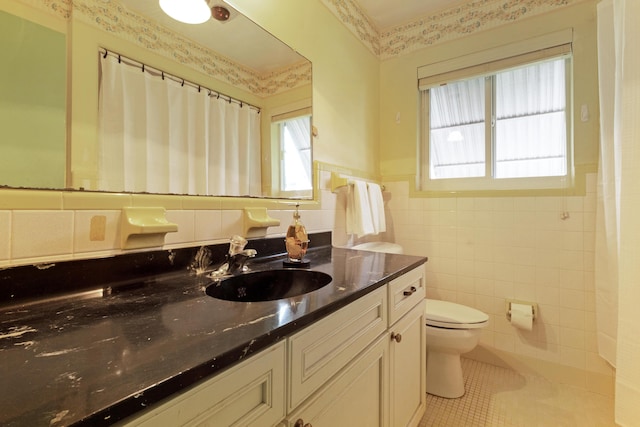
x,y
455,136
187,11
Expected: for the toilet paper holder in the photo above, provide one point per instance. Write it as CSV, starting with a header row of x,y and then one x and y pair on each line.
x,y
534,308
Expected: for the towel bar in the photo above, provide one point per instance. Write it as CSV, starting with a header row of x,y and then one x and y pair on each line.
x,y
338,182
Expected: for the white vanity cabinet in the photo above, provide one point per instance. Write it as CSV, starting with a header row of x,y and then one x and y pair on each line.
x,y
357,396
321,350
363,365
248,394
379,384
336,376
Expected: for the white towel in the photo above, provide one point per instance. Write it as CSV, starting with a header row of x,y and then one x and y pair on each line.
x,y
359,219
377,208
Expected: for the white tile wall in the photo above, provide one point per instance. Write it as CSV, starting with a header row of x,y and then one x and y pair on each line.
x,y
186,227
483,251
38,236
82,236
208,224
5,242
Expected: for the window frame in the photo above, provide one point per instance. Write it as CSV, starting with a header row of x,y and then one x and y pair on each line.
x,y
545,48
277,118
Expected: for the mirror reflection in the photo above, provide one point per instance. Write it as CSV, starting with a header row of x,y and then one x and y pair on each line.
x,y
175,130
32,103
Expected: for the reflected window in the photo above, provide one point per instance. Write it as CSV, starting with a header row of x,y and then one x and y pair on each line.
x,y
295,146
291,146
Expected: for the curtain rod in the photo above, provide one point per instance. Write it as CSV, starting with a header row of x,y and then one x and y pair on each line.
x,y
156,72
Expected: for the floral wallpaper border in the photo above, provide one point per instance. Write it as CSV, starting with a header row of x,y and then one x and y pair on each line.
x,y
443,26
448,24
59,8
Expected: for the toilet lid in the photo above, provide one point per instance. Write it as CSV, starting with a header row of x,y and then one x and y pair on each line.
x,y
450,315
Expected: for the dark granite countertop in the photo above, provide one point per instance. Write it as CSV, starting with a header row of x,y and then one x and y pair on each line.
x,y
101,355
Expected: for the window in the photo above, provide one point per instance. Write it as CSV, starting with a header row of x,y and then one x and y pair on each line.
x,y
295,146
291,153
507,129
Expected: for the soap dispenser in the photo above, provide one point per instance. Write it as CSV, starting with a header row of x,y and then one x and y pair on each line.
x,y
296,243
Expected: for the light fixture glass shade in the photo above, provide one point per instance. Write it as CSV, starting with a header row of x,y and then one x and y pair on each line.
x,y
187,11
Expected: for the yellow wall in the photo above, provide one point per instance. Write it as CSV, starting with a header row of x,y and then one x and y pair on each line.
x,y
32,91
345,78
398,85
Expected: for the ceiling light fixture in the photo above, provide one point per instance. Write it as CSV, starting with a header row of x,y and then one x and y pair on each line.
x,y
220,13
187,11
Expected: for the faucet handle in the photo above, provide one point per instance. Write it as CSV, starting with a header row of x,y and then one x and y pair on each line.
x,y
236,244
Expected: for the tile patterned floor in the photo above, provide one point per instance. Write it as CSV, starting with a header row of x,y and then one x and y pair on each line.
x,y
499,397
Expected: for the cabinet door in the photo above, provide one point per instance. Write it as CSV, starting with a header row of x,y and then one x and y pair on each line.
x,y
249,394
357,397
321,350
407,358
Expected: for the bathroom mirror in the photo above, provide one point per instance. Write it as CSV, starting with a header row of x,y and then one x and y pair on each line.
x,y
236,58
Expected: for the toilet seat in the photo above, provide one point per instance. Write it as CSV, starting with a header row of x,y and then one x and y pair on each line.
x,y
445,314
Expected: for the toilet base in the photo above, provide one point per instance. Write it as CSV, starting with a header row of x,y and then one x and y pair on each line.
x,y
444,375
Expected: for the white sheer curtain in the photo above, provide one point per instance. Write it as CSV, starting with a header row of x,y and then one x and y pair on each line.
x,y
158,136
457,134
530,127
608,208
297,154
618,215
531,134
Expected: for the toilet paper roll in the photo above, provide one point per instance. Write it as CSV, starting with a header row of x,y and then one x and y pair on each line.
x,y
522,316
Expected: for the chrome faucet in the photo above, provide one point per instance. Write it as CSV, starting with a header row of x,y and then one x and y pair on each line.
x,y
236,262
235,259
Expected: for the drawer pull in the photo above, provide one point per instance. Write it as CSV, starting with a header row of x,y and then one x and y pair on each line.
x,y
300,423
412,290
396,337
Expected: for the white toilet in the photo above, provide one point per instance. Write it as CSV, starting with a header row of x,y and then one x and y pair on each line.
x,y
452,329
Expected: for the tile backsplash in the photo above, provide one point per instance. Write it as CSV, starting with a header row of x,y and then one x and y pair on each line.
x,y
36,236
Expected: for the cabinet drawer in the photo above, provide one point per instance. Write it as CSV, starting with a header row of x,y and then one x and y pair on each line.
x,y
324,348
405,292
357,396
249,394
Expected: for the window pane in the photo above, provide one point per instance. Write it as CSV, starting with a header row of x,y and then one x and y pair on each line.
x,y
296,154
457,130
531,121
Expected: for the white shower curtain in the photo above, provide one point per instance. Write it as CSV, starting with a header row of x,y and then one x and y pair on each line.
x,y
608,208
618,215
158,136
